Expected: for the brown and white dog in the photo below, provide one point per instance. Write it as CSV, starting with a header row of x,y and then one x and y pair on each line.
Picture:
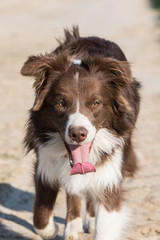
x,y
80,129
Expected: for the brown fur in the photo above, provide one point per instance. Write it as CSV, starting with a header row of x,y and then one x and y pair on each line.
x,y
74,207
44,203
90,207
105,75
111,200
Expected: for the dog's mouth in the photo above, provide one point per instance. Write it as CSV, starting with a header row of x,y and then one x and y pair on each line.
x,y
79,158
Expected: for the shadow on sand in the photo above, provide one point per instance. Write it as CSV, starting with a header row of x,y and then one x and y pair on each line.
x,y
10,235
15,199
18,200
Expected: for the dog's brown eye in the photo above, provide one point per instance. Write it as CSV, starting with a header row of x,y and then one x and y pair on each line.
x,y
61,104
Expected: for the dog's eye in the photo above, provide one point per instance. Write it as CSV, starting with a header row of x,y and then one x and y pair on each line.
x,y
95,103
61,104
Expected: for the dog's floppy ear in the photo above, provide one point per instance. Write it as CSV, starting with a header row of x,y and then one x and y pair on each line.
x,y
116,71
120,77
121,72
117,75
37,66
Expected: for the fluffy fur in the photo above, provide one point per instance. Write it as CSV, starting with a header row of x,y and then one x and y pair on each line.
x,y
53,167
106,222
85,84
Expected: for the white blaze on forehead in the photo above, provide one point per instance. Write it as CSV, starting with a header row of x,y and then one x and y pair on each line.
x,y
77,110
77,76
80,120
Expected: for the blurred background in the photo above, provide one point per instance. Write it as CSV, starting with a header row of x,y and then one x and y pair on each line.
x,y
31,27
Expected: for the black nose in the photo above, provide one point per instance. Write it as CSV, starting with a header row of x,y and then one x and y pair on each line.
x,y
78,134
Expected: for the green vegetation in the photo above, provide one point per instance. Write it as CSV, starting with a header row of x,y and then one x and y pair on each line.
x,y
155,3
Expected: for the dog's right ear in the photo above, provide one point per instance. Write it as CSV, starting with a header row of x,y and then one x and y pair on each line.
x,y
37,67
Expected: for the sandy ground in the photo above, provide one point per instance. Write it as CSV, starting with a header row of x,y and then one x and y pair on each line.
x,y
29,27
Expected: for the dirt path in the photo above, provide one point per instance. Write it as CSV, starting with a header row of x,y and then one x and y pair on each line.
x,y
29,27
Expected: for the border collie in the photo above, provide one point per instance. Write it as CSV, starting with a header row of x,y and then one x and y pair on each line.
x,y
80,127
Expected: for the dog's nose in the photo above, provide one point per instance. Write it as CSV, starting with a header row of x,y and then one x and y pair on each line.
x,y
78,134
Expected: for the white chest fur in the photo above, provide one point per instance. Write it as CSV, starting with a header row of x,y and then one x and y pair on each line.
x,y
54,164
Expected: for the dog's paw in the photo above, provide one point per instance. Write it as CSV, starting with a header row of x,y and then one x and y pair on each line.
x,y
49,232
73,228
89,225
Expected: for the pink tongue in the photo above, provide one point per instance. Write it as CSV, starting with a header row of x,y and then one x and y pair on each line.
x,y
82,168
80,157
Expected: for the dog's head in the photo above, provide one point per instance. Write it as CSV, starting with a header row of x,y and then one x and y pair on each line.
x,y
77,98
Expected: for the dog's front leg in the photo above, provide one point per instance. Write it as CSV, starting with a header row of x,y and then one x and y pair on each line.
x,y
74,223
112,216
43,209
89,225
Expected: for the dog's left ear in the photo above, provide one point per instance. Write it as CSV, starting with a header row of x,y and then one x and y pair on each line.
x,y
121,72
37,67
117,72
120,77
